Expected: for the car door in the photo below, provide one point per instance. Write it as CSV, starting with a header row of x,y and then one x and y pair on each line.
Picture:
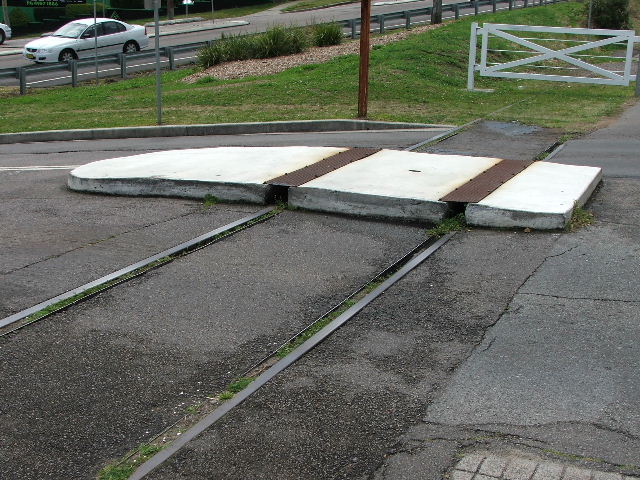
x,y
113,37
87,42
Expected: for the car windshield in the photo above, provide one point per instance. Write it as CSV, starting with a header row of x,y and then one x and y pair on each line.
x,y
70,30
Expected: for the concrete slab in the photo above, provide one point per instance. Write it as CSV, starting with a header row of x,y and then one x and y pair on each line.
x,y
391,184
542,197
229,173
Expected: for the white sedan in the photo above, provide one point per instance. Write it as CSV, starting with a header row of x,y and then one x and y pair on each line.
x,y
77,39
5,33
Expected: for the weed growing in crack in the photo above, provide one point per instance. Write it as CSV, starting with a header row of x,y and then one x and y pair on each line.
x,y
235,387
453,224
123,469
210,200
580,218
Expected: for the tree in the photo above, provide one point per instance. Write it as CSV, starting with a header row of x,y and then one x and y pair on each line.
x,y
170,9
5,12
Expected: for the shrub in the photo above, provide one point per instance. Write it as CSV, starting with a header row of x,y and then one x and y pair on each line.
x,y
279,41
325,34
274,42
39,14
136,4
75,10
18,18
613,14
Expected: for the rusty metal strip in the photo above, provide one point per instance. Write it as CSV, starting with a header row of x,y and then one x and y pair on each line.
x,y
481,186
324,166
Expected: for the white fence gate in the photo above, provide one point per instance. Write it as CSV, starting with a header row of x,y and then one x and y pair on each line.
x,y
535,53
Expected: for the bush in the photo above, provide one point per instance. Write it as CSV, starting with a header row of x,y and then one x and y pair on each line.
x,y
39,14
274,42
136,4
75,10
612,14
279,41
18,18
326,34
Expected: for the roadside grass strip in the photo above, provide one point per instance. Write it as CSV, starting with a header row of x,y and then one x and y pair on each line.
x,y
419,79
201,416
44,309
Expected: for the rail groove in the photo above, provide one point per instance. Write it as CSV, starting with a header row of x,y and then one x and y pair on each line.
x,y
402,267
83,292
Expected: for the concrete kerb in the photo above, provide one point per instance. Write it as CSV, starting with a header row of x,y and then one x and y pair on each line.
x,y
302,126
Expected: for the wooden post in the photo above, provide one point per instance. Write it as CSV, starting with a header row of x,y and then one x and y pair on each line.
x,y
365,28
436,12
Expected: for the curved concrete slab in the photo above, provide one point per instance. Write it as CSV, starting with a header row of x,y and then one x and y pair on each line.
x,y
229,173
543,196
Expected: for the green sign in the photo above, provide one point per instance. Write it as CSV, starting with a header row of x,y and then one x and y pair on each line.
x,y
42,3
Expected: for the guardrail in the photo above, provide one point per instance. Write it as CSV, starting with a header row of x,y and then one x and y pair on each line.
x,y
351,26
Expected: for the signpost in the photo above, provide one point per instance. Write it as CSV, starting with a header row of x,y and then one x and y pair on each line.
x,y
155,5
95,40
186,4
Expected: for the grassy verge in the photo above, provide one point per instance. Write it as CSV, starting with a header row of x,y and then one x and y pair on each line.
x,y
314,4
420,79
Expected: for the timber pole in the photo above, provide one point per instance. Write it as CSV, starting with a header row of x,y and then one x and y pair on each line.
x,y
365,28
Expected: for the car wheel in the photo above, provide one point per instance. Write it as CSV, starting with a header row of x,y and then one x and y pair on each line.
x,y
131,47
67,55
2,37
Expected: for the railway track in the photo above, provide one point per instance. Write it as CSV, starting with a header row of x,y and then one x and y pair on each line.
x,y
79,341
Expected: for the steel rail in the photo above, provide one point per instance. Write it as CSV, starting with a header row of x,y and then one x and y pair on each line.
x,y
189,246
387,270
165,454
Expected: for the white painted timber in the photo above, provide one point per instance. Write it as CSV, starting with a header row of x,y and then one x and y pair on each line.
x,y
391,184
228,173
543,196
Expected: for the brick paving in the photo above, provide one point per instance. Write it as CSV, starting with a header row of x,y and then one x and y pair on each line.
x,y
483,466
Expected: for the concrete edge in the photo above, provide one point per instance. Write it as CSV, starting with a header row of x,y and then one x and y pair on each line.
x,y
485,216
301,126
370,206
491,217
160,187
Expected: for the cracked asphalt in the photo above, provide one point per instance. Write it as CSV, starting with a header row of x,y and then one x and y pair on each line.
x,y
516,343
509,342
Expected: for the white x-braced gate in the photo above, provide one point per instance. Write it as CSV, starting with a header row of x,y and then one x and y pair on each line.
x,y
570,59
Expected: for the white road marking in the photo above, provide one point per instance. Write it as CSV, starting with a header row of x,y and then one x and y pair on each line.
x,y
36,168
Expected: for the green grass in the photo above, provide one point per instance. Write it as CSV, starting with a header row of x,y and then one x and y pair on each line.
x,y
235,387
123,469
580,218
314,4
210,200
420,79
453,224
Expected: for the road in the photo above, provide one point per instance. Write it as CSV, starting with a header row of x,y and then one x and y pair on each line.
x,y
513,342
258,22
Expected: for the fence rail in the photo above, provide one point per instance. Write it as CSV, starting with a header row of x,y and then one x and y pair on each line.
x,y
538,56
383,22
